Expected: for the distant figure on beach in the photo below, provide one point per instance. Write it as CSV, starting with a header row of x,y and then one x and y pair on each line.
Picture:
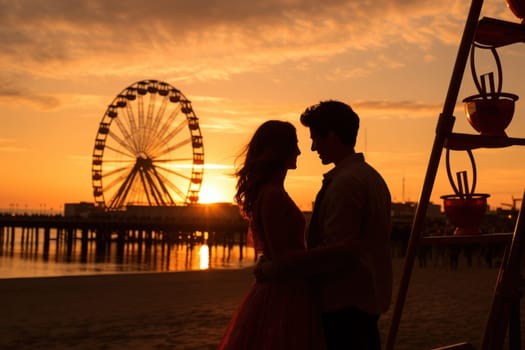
x,y
280,314
348,259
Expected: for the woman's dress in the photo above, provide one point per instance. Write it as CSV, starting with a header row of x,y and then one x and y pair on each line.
x,y
277,314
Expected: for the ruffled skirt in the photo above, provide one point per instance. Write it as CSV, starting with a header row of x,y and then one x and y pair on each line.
x,y
275,316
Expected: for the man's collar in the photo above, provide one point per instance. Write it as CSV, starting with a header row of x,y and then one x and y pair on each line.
x,y
352,158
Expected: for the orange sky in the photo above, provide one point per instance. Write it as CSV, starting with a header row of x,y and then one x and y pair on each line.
x,y
240,63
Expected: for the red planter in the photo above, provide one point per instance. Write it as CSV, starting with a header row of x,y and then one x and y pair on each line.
x,y
490,116
517,7
465,213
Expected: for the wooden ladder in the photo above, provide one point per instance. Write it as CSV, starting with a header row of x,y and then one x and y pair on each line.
x,y
505,309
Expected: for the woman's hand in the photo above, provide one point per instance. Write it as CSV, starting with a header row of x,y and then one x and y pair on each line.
x,y
263,270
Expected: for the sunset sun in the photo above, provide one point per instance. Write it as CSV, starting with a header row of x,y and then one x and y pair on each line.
x,y
212,194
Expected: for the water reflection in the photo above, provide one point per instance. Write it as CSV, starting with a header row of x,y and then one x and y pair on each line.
x,y
204,255
25,255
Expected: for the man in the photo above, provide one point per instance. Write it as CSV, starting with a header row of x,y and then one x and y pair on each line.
x,y
348,257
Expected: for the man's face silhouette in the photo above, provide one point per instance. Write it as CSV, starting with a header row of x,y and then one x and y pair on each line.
x,y
324,146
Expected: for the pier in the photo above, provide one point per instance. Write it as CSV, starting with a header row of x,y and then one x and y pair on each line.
x,y
131,235
141,234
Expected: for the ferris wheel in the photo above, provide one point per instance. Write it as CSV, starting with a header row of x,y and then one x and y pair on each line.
x,y
148,149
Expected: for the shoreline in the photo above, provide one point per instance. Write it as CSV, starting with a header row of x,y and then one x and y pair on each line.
x,y
190,309
162,310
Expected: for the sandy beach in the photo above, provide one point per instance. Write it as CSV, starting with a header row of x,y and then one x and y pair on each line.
x,y
189,310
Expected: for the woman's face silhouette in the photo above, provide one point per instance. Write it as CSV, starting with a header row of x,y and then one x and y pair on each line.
x,y
291,163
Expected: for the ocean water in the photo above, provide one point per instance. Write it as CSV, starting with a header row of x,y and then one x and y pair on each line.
x,y
27,258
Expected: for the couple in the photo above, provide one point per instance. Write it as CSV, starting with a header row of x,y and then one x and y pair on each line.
x,y
325,289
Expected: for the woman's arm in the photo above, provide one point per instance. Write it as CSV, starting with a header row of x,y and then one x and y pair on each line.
x,y
341,229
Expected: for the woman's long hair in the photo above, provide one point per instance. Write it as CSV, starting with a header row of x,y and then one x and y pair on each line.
x,y
265,155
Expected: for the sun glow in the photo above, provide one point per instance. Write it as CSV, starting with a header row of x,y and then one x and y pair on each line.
x,y
213,194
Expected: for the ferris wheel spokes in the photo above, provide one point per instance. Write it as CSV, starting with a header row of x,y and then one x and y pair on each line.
x,y
177,146
127,134
141,160
173,172
166,136
158,118
120,195
173,160
123,142
161,181
170,120
129,156
150,189
174,187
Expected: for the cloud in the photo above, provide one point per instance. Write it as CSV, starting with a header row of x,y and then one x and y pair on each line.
x,y
207,39
224,116
12,93
221,116
12,149
396,106
46,42
40,101
7,146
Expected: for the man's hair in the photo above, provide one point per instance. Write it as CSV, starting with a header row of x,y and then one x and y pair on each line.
x,y
333,116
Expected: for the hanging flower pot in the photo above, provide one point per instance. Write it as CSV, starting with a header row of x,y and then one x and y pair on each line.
x,y
465,212
490,116
489,112
464,209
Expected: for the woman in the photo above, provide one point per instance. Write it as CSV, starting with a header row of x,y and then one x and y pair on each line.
x,y
279,314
